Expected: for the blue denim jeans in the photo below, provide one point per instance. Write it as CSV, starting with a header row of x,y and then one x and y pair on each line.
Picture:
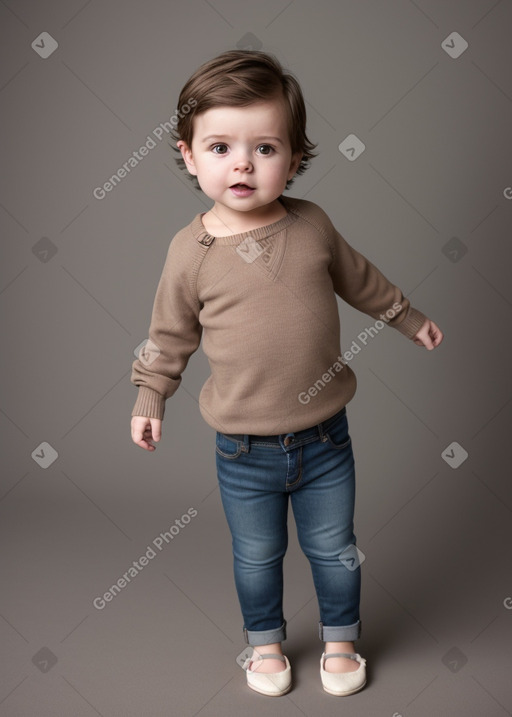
x,y
256,476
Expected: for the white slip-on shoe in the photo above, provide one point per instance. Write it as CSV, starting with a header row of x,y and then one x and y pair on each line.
x,y
343,683
273,684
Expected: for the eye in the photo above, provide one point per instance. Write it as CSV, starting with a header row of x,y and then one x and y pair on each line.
x,y
266,149
216,146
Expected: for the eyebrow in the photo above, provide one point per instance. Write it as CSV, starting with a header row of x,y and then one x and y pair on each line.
x,y
226,136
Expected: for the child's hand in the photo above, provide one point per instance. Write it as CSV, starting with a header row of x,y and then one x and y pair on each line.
x,y
145,430
430,335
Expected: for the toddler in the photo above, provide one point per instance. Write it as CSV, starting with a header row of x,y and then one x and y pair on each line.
x,y
256,278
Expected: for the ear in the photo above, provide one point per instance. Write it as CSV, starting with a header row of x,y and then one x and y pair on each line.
x,y
294,164
186,153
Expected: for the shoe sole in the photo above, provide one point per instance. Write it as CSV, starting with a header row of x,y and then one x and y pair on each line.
x,y
342,694
270,694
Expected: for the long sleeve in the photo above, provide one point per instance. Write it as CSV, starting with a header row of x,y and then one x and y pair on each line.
x,y
358,282
174,334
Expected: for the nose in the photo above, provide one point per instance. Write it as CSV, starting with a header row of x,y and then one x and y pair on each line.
x,y
243,162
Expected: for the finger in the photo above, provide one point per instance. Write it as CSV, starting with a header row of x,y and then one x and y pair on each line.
x,y
439,337
428,342
156,427
144,444
419,338
423,339
437,334
140,434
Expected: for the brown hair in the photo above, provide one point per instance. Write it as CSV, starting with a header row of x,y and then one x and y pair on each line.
x,y
239,78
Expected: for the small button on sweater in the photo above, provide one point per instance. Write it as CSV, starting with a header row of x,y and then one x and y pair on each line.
x,y
263,302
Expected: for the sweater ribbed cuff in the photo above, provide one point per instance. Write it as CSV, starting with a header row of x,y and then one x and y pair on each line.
x,y
412,323
149,403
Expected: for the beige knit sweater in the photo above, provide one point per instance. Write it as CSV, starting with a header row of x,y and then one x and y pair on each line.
x,y
264,304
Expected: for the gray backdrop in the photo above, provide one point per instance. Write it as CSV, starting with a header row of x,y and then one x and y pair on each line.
x,y
429,201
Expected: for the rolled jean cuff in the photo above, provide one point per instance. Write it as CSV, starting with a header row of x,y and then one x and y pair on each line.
x,y
265,637
343,633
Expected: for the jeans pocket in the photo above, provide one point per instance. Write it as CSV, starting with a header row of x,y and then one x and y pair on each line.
x,y
338,434
227,447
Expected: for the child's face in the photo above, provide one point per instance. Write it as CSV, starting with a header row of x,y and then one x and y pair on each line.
x,y
248,145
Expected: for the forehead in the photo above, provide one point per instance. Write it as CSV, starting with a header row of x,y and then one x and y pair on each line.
x,y
266,117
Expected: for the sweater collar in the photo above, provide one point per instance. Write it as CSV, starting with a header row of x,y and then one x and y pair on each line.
x,y
199,231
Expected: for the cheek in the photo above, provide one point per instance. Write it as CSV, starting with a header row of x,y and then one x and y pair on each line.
x,y
212,166
277,171
206,168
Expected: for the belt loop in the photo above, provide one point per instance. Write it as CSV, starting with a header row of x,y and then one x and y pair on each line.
x,y
320,427
246,443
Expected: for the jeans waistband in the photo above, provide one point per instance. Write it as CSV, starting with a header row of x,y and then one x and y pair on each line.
x,y
305,433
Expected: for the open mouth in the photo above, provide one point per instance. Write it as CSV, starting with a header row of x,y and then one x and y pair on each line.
x,y
241,186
